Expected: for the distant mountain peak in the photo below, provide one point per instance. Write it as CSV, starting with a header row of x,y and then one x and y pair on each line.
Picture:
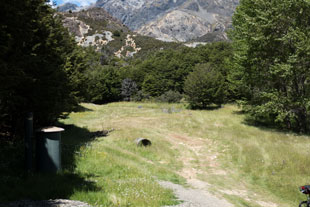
x,y
173,20
67,7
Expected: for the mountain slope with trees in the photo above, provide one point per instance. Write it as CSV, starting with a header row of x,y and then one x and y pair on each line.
x,y
96,28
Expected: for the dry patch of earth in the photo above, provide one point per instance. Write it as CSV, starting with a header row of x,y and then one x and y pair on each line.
x,y
200,160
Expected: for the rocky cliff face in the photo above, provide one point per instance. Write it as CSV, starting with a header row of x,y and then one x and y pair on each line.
x,y
136,13
174,20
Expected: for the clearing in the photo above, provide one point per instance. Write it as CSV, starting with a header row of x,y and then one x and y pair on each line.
x,y
212,153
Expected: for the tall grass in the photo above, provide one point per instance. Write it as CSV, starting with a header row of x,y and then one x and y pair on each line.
x,y
267,162
248,165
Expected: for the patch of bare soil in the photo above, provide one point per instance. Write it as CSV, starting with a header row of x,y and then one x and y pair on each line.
x,y
194,197
194,159
199,158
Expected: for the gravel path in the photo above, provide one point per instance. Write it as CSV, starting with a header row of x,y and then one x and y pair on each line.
x,y
194,197
190,197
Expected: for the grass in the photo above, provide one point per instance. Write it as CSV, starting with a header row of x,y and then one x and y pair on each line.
x,y
268,163
247,165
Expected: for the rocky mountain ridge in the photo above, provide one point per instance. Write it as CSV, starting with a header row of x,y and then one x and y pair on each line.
x,y
68,7
173,20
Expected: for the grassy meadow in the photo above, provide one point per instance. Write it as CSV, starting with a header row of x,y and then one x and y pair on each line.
x,y
247,165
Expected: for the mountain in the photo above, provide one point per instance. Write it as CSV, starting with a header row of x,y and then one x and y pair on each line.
x,y
97,28
67,7
136,13
173,20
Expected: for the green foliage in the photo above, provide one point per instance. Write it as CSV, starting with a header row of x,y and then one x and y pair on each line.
x,y
151,45
216,54
103,85
80,61
271,42
167,70
164,71
114,45
204,86
117,33
170,97
140,96
129,89
35,50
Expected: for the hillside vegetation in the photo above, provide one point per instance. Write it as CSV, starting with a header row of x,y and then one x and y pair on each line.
x,y
96,28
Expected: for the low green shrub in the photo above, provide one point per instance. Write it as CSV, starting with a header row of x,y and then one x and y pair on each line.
x,y
170,97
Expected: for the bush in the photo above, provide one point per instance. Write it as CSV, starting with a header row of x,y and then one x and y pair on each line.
x,y
140,96
170,97
116,33
204,86
129,88
104,85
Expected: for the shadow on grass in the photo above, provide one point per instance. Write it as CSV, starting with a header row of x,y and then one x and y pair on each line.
x,y
265,126
81,108
208,108
16,184
73,138
269,127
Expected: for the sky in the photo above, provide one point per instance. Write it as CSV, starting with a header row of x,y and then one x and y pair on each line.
x,y
77,2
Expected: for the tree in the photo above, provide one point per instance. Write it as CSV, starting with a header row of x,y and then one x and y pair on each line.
x,y
204,86
165,70
271,43
34,50
103,85
170,97
129,89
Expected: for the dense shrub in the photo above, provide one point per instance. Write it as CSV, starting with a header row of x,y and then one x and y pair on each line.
x,y
116,33
170,97
204,86
104,85
140,96
129,89
164,71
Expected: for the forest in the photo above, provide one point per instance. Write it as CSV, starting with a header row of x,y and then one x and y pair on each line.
x,y
264,68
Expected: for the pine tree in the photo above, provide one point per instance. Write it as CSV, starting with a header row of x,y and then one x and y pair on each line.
x,y
34,51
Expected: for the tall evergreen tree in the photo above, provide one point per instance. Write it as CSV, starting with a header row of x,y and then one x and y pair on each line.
x,y
272,48
35,49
